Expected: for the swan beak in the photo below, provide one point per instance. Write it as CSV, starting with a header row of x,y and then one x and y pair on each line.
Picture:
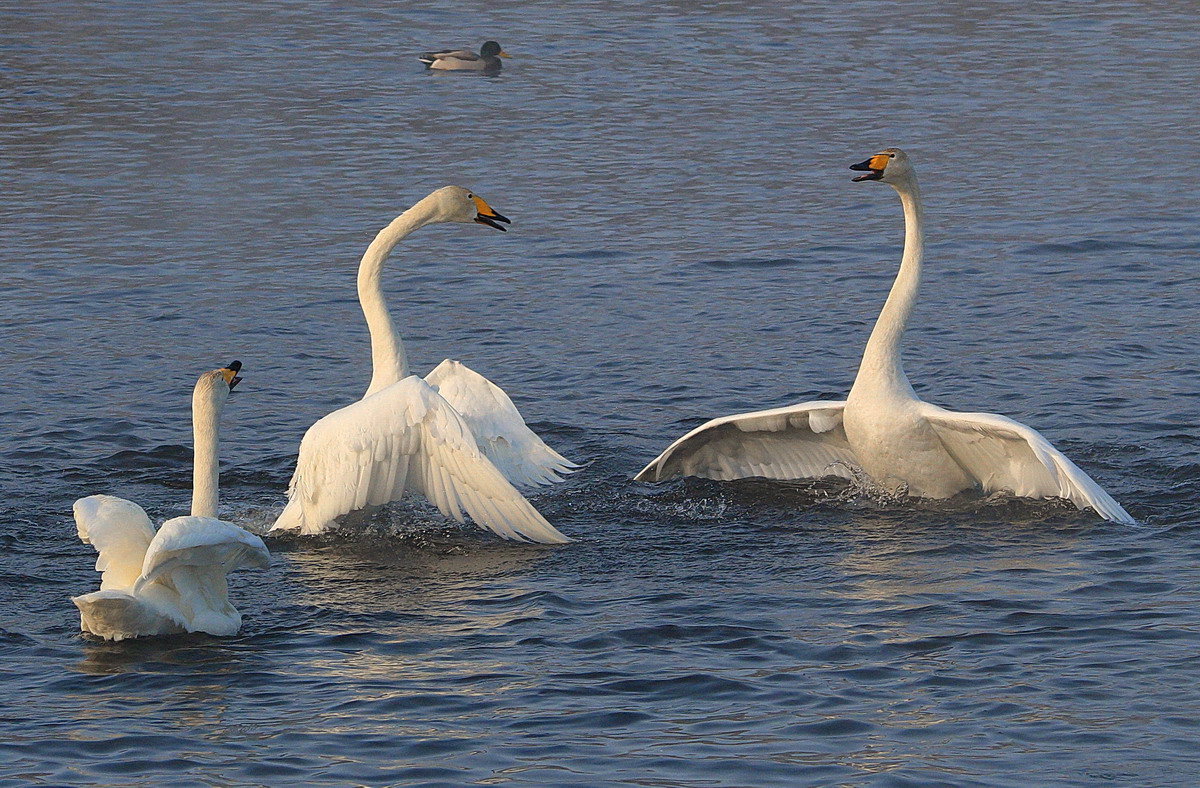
x,y
230,373
874,167
489,216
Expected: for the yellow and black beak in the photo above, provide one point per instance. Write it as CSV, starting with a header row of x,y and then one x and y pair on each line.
x,y
502,53
873,166
488,216
230,374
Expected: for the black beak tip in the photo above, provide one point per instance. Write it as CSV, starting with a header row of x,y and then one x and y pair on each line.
x,y
494,221
236,380
236,366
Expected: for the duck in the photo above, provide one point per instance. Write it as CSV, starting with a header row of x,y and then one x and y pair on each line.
x,y
488,59
452,437
173,580
883,432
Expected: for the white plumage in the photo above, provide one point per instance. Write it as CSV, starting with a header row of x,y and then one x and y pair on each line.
x,y
405,437
454,437
172,581
500,432
162,583
883,430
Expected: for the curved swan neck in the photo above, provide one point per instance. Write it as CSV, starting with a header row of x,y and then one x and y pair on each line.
x,y
881,365
206,469
388,361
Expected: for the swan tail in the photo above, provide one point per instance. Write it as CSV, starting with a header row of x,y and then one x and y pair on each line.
x,y
116,615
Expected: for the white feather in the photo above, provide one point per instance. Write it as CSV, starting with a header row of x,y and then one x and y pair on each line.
x,y
174,580
409,427
1004,455
776,444
499,430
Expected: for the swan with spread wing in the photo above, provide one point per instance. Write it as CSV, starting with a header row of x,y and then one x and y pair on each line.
x,y
454,436
882,428
173,580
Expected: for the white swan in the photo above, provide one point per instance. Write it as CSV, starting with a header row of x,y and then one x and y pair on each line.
x,y
172,581
454,437
882,428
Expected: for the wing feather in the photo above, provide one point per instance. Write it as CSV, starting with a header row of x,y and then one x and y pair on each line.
x,y
802,441
201,542
1003,454
120,531
433,453
499,430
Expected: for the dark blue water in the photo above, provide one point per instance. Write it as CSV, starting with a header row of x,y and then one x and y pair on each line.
x,y
183,184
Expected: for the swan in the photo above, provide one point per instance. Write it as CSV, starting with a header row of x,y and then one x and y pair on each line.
x,y
453,436
172,581
488,59
882,429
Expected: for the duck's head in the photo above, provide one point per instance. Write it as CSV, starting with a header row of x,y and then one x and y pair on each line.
x,y
890,165
492,49
213,387
456,204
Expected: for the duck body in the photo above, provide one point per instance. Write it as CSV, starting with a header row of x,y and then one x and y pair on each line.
x,y
488,59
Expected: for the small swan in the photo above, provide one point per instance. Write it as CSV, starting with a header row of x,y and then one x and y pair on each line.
x,y
488,59
882,427
454,436
172,581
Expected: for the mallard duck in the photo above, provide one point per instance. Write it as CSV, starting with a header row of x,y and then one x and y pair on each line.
x,y
488,58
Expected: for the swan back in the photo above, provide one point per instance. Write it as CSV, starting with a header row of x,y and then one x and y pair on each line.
x,y
193,556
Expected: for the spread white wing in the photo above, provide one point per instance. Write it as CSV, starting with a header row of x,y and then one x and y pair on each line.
x,y
403,437
1002,454
120,531
803,441
499,430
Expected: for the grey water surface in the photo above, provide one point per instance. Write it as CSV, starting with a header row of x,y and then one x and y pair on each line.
x,y
182,184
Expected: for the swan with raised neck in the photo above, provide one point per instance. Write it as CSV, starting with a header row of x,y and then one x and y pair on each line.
x,y
389,363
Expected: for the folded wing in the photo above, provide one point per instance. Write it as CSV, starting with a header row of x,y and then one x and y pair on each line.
x,y
404,437
457,54
201,542
1005,455
120,531
497,426
803,441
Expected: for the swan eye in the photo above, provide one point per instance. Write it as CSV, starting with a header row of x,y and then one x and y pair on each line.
x,y
891,155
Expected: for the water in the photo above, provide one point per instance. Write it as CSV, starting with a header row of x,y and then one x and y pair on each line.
x,y
184,184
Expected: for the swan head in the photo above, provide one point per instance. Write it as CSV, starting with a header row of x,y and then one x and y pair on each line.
x,y
492,49
456,204
214,386
890,165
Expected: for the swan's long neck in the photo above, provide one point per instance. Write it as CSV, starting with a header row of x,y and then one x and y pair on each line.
x,y
388,361
881,369
206,470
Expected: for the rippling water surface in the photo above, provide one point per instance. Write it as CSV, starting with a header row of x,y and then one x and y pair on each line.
x,y
188,183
